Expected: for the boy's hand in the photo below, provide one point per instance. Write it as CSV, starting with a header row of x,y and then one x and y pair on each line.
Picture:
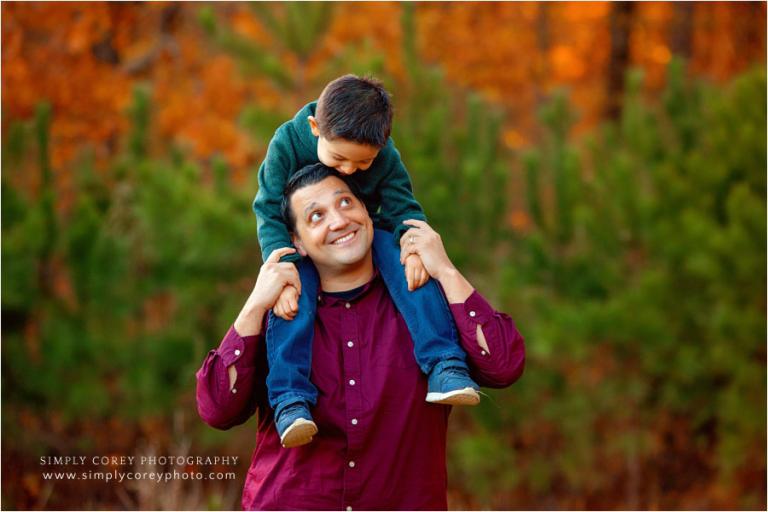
x,y
287,304
415,272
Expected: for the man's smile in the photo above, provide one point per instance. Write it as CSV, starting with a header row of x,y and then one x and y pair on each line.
x,y
345,238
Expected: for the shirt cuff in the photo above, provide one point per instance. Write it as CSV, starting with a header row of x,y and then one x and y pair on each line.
x,y
473,311
234,348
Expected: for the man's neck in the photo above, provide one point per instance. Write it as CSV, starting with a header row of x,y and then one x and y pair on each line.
x,y
348,277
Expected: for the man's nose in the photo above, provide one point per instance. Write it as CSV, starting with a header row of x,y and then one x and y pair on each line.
x,y
347,168
338,219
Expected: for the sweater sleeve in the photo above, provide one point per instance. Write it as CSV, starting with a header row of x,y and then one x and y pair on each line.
x,y
273,175
396,192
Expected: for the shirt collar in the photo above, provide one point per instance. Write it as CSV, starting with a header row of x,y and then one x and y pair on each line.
x,y
328,300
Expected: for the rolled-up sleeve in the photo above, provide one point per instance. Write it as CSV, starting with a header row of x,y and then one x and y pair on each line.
x,y
217,404
503,362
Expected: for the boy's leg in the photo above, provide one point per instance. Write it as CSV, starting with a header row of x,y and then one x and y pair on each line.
x,y
289,353
435,338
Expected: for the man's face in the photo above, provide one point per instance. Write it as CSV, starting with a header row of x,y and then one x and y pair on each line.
x,y
345,156
332,226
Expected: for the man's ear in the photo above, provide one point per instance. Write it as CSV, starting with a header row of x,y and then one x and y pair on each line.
x,y
313,126
297,243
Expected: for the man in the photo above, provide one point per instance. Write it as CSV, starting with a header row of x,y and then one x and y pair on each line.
x,y
379,444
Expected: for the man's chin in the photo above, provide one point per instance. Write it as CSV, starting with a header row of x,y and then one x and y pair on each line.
x,y
350,255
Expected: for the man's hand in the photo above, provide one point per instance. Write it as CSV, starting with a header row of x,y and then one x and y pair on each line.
x,y
427,244
287,304
415,273
273,278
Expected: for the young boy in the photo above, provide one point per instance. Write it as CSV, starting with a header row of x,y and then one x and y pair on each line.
x,y
348,129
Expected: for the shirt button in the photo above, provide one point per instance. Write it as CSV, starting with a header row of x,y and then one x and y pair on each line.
x,y
349,509
234,390
350,344
347,305
483,352
237,352
472,314
351,382
354,421
351,463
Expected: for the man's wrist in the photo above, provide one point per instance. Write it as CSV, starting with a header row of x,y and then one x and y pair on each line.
x,y
447,273
456,287
248,322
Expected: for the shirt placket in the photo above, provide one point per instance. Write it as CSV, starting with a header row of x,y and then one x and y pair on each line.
x,y
354,400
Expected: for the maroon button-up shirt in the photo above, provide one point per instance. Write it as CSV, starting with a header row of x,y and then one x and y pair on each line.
x,y
380,445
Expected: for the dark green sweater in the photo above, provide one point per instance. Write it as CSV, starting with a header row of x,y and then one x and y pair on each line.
x,y
385,186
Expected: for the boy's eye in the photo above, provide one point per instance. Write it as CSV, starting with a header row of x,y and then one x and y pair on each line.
x,y
315,216
345,201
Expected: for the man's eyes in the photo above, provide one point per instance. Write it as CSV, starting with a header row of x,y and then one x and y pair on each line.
x,y
315,216
345,201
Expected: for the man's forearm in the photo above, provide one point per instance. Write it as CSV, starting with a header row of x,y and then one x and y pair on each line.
x,y
456,287
249,321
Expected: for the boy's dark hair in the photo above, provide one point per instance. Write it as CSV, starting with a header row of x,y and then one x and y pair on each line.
x,y
306,176
355,109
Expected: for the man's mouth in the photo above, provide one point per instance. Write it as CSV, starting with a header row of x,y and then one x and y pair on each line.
x,y
344,239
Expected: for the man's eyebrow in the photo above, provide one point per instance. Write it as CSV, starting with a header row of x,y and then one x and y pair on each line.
x,y
313,204
310,206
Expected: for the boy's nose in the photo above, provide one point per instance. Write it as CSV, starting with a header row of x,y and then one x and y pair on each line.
x,y
347,169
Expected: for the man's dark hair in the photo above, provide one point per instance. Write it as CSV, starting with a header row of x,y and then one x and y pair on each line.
x,y
355,109
306,176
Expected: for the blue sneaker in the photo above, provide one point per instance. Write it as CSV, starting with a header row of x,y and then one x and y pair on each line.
x,y
449,383
294,425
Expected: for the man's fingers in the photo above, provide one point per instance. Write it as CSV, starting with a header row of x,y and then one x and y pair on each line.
x,y
290,275
416,223
409,236
405,251
275,255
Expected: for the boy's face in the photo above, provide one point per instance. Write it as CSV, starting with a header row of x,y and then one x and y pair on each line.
x,y
345,156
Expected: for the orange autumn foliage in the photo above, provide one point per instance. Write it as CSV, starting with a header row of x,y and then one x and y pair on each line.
x,y
85,58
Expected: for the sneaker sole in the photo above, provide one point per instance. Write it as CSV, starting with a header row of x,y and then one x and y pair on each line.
x,y
466,396
299,433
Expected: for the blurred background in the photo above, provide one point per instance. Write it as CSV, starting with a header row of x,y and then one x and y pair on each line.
x,y
598,170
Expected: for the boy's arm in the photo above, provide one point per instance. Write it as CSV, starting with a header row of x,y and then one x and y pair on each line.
x,y
272,177
396,191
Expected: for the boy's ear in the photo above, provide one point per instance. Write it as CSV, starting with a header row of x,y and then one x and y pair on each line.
x,y
313,126
297,243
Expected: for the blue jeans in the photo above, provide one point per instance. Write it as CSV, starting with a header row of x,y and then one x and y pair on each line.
x,y
425,311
